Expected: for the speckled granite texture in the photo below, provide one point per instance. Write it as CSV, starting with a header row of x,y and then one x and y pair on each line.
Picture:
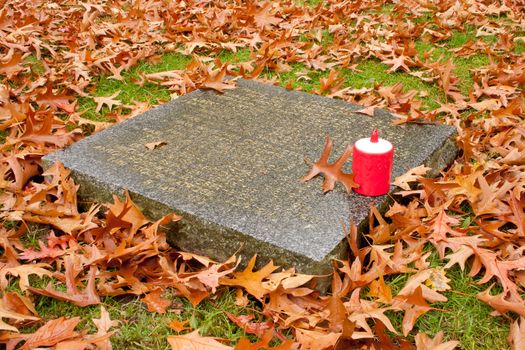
x,y
231,168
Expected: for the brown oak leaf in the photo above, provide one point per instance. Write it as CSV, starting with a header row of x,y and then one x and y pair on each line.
x,y
107,100
155,302
332,172
250,280
195,341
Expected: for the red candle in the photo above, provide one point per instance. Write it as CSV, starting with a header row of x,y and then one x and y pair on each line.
x,y
372,165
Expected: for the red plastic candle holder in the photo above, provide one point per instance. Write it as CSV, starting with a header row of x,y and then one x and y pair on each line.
x,y
372,165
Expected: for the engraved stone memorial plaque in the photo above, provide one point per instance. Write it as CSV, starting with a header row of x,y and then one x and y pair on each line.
x,y
231,167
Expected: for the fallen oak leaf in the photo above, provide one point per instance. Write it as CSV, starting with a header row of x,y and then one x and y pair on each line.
x,y
250,280
316,340
44,252
107,100
210,276
18,303
179,326
153,145
103,324
83,298
23,272
516,337
155,302
414,306
12,67
52,333
424,342
244,322
500,304
215,81
56,101
332,172
23,169
264,343
194,341
412,175
369,111
7,311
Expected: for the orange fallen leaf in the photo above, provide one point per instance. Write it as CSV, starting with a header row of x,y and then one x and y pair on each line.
x,y
155,302
194,341
179,326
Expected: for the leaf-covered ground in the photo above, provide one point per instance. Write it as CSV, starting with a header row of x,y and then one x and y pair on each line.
x,y
447,252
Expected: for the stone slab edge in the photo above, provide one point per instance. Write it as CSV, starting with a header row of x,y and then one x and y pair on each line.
x,y
219,242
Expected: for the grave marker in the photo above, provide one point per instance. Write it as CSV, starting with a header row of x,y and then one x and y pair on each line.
x,y
231,167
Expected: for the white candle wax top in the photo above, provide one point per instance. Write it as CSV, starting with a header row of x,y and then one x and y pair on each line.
x,y
381,146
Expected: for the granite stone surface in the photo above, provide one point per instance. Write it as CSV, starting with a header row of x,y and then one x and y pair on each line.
x,y
231,168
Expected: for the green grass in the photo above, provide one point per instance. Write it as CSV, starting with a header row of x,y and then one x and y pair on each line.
x,y
130,90
141,329
462,317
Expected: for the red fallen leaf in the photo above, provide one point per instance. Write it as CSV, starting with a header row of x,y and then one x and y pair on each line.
x,y
398,62
126,212
52,332
16,308
56,101
332,83
44,252
332,172
263,16
316,340
195,294
19,303
155,302
243,321
338,314
62,241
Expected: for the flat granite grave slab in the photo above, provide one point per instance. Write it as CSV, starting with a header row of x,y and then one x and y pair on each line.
x,y
231,167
